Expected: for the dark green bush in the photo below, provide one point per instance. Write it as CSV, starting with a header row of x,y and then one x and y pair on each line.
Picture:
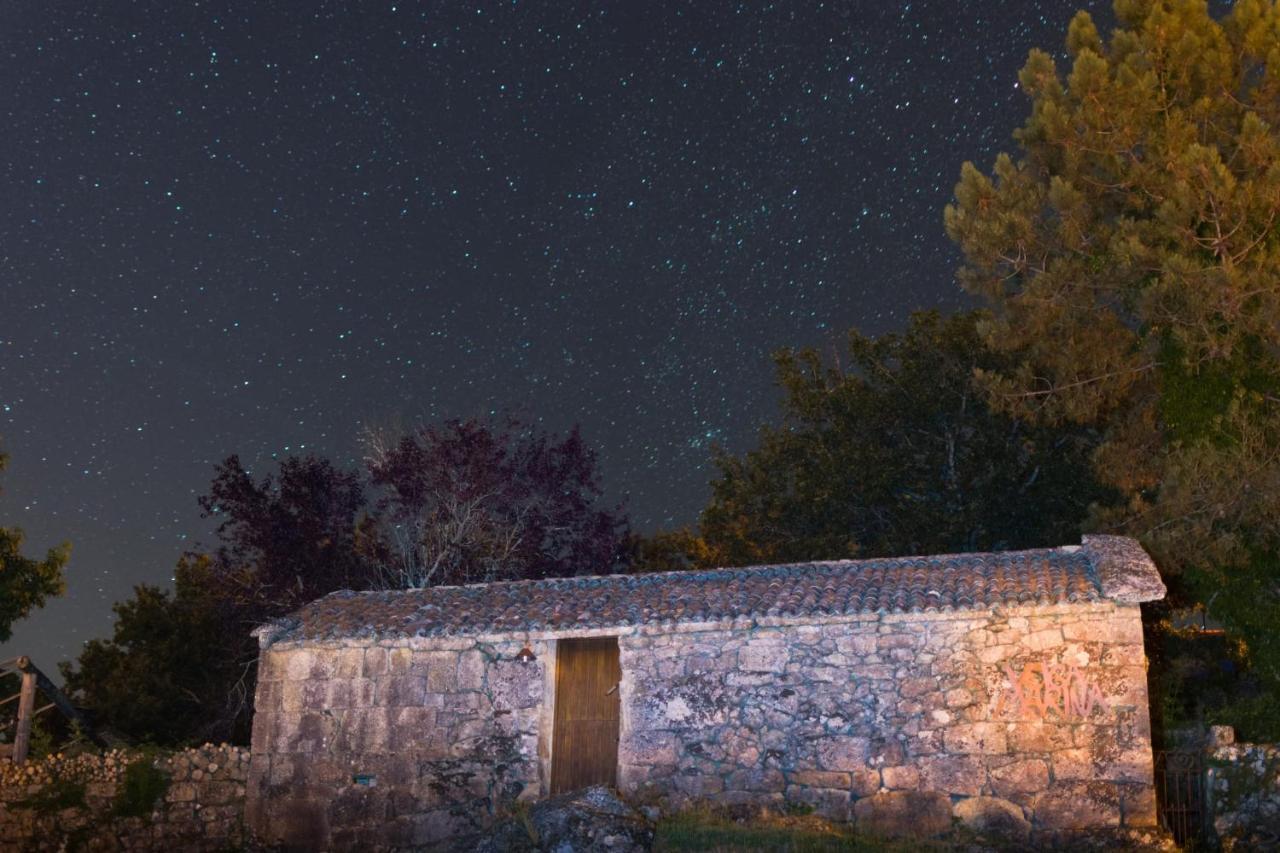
x,y
140,789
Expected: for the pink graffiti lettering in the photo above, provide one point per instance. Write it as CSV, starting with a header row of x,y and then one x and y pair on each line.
x,y
1048,688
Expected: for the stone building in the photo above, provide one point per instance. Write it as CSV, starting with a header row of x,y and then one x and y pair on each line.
x,y
1002,687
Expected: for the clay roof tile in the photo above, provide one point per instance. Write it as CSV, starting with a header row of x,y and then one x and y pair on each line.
x,y
1105,567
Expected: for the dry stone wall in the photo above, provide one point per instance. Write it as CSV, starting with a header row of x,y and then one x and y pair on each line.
x,y
73,802
1243,786
1033,720
392,745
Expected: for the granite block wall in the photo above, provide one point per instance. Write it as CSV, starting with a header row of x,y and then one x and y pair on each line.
x,y
1032,720
1035,718
392,745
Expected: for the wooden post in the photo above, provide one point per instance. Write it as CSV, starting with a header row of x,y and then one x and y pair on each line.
x,y
26,710
102,737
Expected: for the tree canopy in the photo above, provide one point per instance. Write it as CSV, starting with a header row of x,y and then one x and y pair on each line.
x,y
286,538
896,453
25,583
1130,254
472,499
181,666
173,670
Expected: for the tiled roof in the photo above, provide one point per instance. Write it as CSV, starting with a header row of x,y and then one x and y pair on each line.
x,y
1105,567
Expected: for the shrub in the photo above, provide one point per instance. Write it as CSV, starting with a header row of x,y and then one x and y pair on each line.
x,y
141,787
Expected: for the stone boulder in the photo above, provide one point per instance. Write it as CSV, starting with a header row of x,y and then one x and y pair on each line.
x,y
993,816
904,814
593,820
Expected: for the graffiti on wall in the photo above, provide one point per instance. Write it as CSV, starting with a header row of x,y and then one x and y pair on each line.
x,y
1045,688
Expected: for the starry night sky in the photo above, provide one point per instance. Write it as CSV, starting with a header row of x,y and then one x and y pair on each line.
x,y
251,227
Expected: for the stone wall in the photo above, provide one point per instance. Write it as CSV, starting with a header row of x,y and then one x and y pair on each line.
x,y
393,745
70,803
1035,719
1032,719
1243,791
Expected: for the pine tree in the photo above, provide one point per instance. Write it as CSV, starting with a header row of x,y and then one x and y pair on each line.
x,y
1131,256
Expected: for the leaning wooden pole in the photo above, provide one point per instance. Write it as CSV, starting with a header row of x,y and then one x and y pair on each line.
x,y
26,710
41,682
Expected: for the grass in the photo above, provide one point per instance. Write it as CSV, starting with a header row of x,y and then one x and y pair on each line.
x,y
711,832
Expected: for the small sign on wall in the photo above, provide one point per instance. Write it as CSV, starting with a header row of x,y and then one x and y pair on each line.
x,y
366,779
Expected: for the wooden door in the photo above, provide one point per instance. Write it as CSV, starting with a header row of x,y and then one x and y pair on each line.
x,y
584,748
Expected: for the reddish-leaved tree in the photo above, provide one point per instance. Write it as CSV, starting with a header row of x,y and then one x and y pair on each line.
x,y
288,538
471,501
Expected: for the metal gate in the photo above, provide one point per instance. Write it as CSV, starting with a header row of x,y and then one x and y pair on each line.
x,y
1180,793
